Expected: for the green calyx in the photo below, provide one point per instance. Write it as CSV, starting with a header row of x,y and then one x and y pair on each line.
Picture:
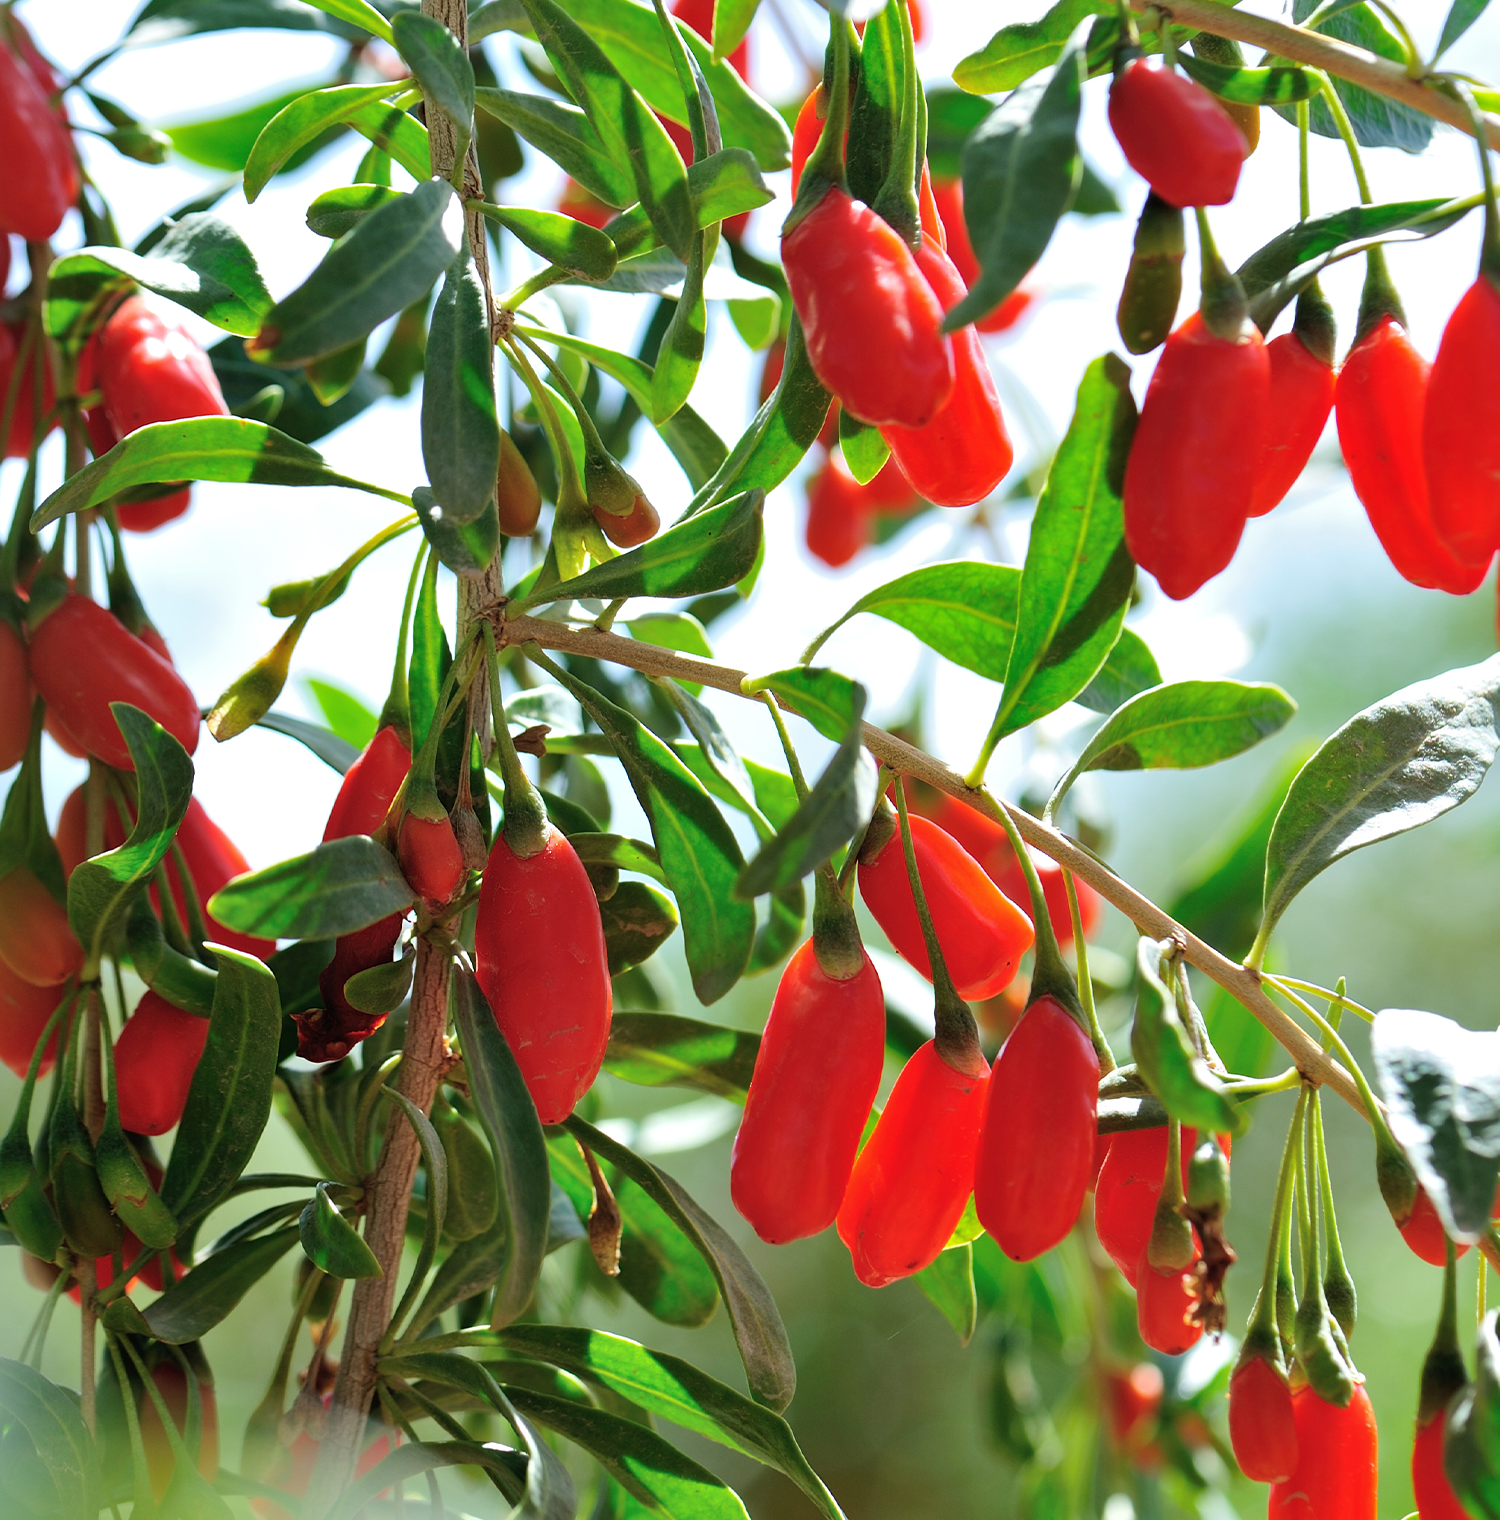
x,y
824,168
1443,1370
836,941
1208,1179
1378,299
526,822
1171,1245
1222,303
1315,325
896,202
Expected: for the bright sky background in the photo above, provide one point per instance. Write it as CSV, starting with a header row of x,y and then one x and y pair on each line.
x,y
202,577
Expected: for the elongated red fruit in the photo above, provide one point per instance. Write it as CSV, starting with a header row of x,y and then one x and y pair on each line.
x,y
816,1076
24,1011
1262,1428
1125,1194
36,940
155,1058
1036,1150
983,934
1162,1301
1301,397
24,417
1175,135
913,1178
841,511
1461,427
430,857
15,697
40,181
329,1033
964,452
1338,1451
1434,1493
1423,1231
213,859
1193,463
369,786
541,961
1379,403
873,325
83,658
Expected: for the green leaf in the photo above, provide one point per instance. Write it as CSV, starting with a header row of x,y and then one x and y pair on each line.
x,y
1130,669
1471,1444
101,890
417,1457
380,989
333,1244
165,20
1167,1058
201,263
681,350
390,259
865,451
340,210
876,109
564,134
344,713
1250,87
460,431
667,1483
626,128
667,1050
1019,50
698,851
951,116
674,630
357,13
667,1386
722,185
703,553
582,250
441,67
269,393
832,703
430,657
964,610
1462,14
510,1119
1182,726
1410,758
596,849
343,885
949,1284
758,1330
50,1417
229,1100
1441,1085
208,1294
472,1267
1021,170
230,449
333,751
224,142
306,117
1078,576
638,921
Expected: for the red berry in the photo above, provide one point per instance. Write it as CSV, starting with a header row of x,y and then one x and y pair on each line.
x,y
155,1058
1337,1461
40,181
36,940
1175,135
1300,399
1162,1302
369,787
1434,1494
1262,1429
430,858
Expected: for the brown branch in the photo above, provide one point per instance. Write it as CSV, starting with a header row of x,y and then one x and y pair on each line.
x,y
1356,64
907,760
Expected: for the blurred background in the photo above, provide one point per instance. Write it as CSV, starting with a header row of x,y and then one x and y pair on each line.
x,y
898,1417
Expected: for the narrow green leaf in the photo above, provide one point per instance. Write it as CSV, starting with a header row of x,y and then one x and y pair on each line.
x,y
417,1457
732,20
638,921
1078,576
667,1050
722,185
564,134
229,1100
1182,726
758,1329
101,890
1021,170
307,116
441,66
1408,759
1462,14
357,13
1023,48
949,1284
472,1267
698,851
584,251
390,259
340,210
595,849
865,451
460,431
964,610
209,1293
50,1417
1250,87
516,1134
681,351
1130,669
832,703
224,142
331,1243
343,885
430,658
1470,1457
875,112
333,751
951,116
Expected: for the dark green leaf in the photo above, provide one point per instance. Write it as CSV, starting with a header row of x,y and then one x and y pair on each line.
x,y
876,110
199,448
638,921
596,849
297,412
441,66
390,259
965,610
1021,170
430,657
380,989
1462,14
949,1284
51,1419
1410,758
460,431
681,351
332,376
1441,1085
1130,669
520,1152
332,1243
163,20
224,142
1250,87
1471,1448
666,1050
758,1329
703,553
698,851
562,132
341,209
417,1457
229,1100
357,13
584,251
1023,48
951,116
832,703
209,1293
1078,576
1182,726
343,885
101,890
472,1267
722,185
328,747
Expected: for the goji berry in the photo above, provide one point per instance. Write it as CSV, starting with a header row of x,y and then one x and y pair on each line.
x,y
15,696
155,1058
1036,1150
41,175
1303,381
1461,428
914,1175
1262,1428
83,658
1192,467
1175,135
430,857
297,1464
930,219
1132,1400
24,412
983,934
517,495
329,1033
838,515
72,830
171,1383
1125,1194
806,131
948,198
636,526
540,958
584,206
24,1011
1162,1301
36,940
815,1079
1423,1231
1337,1461
1434,1493
369,786
213,859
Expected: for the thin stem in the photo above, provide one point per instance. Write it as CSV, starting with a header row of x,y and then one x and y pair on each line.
x,y
1335,104
1304,119
1085,980
1489,258
793,764
1263,1316
1335,999
567,466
